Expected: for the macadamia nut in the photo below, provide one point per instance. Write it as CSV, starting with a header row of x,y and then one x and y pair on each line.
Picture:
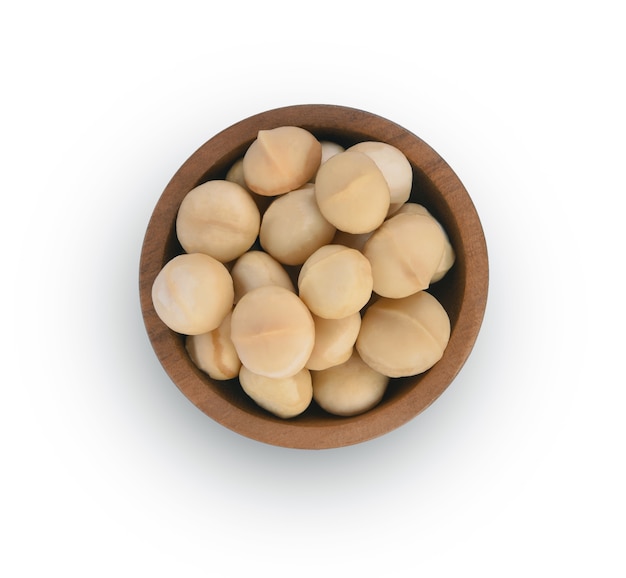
x,y
218,218
352,192
273,332
335,281
293,228
193,293
405,252
393,164
214,352
281,160
284,397
334,341
448,258
258,269
402,337
235,175
350,388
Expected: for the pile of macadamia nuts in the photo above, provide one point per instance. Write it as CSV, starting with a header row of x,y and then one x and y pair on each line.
x,y
304,274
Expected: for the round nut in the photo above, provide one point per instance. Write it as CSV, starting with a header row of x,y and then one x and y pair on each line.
x,y
350,388
330,149
335,282
193,293
449,256
273,332
281,160
235,175
214,352
293,228
402,337
405,253
284,397
334,341
352,192
258,269
218,218
393,164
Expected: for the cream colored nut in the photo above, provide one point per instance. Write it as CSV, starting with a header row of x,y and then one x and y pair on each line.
x,y
449,256
281,160
214,352
218,218
273,331
235,175
334,341
193,293
330,149
405,253
258,269
284,397
350,388
335,282
402,337
393,164
293,228
352,192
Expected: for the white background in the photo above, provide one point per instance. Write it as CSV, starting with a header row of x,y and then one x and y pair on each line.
x,y
107,470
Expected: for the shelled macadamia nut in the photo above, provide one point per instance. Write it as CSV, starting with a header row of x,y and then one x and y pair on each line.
x,y
193,293
258,269
334,340
405,252
218,218
214,352
350,388
285,397
235,175
273,331
393,164
330,149
293,228
449,256
335,282
281,160
352,192
402,337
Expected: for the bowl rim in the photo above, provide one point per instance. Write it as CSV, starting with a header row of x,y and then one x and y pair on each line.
x,y
321,120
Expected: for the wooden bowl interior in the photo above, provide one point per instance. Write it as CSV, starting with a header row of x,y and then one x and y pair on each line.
x,y
463,291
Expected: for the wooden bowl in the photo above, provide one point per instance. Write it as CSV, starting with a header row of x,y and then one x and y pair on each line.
x,y
463,291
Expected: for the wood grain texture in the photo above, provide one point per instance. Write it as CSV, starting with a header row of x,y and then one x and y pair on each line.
x,y
463,292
